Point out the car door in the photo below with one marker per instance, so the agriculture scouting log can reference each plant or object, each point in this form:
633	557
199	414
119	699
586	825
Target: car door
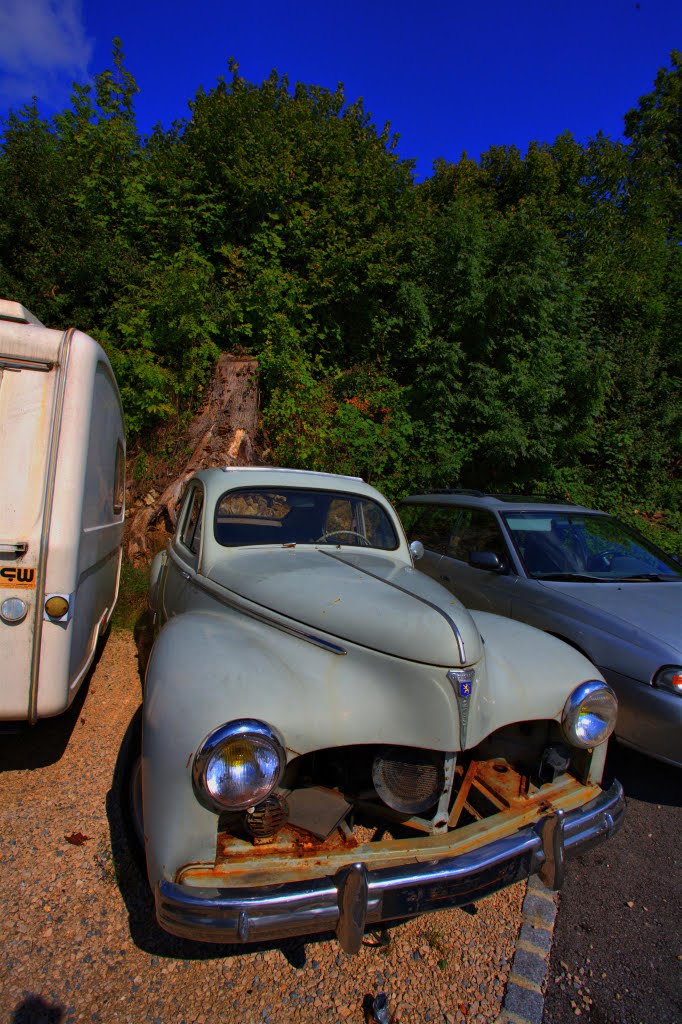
186	545
477	529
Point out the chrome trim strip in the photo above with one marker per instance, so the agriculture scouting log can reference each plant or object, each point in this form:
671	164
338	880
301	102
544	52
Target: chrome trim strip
48	499
302	908
403	590
241	604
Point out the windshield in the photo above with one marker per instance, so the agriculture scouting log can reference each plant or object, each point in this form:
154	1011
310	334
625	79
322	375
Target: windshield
283	515
579	545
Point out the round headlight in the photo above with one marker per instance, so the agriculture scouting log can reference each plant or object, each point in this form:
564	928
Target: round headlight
589	715
13	609
238	765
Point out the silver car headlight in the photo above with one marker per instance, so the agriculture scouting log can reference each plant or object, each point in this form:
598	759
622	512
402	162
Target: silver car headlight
238	765
670	679
589	715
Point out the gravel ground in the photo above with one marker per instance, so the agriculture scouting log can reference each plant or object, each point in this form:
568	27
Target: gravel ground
617	954
80	942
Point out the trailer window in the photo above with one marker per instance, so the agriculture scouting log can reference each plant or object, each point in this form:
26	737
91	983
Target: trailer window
119	480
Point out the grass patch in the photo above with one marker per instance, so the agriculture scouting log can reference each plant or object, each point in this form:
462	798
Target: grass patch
132	596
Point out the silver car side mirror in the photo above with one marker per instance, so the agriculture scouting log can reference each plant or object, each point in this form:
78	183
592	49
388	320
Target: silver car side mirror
416	550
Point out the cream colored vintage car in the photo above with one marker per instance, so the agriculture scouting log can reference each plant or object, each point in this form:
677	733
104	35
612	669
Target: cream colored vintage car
330	739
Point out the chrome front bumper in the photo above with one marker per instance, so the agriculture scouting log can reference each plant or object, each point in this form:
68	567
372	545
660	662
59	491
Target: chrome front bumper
355	898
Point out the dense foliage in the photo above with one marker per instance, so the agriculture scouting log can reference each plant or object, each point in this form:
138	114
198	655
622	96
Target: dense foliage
512	323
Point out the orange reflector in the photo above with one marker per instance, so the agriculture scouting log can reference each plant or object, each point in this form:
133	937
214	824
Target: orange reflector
56	607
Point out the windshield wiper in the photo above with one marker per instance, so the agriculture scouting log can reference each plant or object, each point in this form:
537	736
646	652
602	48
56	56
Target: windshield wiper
571	577
643	577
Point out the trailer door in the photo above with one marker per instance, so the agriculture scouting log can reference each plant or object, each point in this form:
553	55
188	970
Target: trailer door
28	404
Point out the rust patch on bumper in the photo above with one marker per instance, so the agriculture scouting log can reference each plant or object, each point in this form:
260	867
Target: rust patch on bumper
290	842
296	855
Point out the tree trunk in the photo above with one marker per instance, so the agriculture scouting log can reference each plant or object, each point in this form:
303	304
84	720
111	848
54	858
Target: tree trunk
221	434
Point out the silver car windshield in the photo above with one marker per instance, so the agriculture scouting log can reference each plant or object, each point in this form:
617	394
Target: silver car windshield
285	515
557	545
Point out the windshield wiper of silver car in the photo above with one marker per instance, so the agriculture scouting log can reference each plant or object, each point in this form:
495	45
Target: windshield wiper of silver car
644	577
571	577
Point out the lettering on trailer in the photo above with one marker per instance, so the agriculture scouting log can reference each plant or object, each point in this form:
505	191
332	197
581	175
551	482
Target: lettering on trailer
17	576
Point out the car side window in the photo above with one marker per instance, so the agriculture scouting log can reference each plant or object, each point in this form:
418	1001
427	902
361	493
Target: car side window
191	530
476	530
431	524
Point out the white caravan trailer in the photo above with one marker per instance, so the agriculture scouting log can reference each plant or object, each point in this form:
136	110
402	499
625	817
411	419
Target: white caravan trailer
62	468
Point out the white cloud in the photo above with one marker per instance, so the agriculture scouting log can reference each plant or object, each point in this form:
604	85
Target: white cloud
43	48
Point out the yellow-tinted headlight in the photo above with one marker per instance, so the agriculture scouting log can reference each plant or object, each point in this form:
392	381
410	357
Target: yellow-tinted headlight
238	765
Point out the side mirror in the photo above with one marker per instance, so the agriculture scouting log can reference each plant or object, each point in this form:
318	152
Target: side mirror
416	550
488	561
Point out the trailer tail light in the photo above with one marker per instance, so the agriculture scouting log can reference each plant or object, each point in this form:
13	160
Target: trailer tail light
56	607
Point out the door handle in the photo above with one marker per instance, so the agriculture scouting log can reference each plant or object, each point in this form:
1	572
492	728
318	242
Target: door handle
185	575
19	547
444	577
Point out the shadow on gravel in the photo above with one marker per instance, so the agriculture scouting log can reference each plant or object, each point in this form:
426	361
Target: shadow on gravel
132	882
642	777
34	1010
25	747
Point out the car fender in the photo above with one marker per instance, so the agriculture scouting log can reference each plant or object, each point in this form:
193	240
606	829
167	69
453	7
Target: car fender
529	675
606	641
211	667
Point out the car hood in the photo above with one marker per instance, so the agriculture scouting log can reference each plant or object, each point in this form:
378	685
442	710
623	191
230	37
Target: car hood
372	600
637	609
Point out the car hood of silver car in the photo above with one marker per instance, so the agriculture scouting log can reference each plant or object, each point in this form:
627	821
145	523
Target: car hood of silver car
650	609
372	600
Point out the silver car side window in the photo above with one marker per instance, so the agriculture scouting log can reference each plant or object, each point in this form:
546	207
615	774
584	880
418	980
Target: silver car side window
476	530
431	524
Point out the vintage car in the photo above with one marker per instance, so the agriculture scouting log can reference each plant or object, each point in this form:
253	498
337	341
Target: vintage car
579	574
330	740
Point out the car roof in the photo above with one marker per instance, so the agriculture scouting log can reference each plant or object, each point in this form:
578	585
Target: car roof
461	497
217	481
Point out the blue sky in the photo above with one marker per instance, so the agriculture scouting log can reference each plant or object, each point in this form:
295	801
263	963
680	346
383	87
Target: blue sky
449	76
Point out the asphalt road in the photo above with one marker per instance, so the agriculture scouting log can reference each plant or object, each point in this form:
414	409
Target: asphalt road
617	954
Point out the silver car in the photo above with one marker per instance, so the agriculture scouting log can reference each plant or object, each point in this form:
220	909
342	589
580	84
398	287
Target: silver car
578	574
330	739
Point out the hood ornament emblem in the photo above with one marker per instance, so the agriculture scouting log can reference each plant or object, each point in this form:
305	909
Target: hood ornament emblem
463	683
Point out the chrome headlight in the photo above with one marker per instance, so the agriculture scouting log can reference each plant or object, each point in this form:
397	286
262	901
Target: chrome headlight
589	715
238	765
669	678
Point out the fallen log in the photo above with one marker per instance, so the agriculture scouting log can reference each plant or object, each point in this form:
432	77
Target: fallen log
221	434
